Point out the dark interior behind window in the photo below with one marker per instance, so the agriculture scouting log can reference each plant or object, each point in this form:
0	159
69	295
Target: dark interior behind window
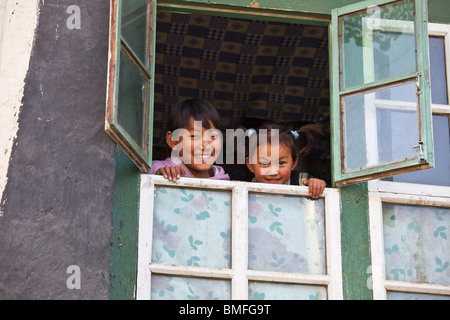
251	70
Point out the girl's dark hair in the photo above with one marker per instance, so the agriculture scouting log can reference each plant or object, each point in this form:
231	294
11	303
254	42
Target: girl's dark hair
300	142
199	109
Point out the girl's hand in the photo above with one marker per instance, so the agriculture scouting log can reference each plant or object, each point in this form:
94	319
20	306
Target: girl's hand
315	186
171	173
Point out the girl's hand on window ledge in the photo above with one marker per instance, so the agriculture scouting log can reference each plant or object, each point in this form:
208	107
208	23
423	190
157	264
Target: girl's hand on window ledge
315	186
171	173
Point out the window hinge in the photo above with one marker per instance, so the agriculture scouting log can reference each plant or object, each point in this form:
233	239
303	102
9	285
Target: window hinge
419	148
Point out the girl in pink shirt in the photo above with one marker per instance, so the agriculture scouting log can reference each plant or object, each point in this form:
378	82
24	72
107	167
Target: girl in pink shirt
196	141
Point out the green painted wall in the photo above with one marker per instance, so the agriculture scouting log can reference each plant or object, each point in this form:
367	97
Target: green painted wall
123	251
438	9
355	241
288	5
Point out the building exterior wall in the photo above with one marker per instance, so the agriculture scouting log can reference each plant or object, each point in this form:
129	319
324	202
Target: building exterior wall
69	197
57	199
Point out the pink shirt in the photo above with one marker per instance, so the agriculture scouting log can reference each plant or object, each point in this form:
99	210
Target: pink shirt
219	173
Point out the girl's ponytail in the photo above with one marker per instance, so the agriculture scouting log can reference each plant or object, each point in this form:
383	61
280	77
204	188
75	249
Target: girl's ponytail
307	137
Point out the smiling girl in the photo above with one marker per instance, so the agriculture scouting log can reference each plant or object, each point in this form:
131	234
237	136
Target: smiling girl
196	142
273	156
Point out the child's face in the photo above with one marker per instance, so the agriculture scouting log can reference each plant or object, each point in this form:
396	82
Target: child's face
198	148
270	172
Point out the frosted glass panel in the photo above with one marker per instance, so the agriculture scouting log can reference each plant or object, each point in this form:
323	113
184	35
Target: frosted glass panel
286	234
416	243
192	227
414	296
184	288
278	291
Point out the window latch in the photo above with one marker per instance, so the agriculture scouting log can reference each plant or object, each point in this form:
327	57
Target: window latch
419	148
418	90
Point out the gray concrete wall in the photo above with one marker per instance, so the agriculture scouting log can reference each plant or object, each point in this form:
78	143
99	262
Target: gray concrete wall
57	202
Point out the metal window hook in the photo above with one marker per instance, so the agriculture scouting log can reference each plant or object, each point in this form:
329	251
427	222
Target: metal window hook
418	89
419	148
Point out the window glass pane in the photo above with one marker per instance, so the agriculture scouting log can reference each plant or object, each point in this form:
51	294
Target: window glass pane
414	296
416	242
440	175
286	234
377	44
133	107
380	126
192	227
184	288
438	74
134	27
278	291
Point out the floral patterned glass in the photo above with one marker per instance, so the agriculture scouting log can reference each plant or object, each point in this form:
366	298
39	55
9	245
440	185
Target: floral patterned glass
278	291
416	243
414	296
192	227
184	288
286	233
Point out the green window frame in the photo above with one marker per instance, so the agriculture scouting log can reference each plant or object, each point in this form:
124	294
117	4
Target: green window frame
126	62
342	175
129	117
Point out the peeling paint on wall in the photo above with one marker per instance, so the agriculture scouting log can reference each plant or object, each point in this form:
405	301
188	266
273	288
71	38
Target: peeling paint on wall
18	20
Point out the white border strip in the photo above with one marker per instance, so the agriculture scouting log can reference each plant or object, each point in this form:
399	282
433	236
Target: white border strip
333	244
145	236
239	243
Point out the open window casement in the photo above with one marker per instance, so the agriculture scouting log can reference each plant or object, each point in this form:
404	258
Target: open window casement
130	86
380	90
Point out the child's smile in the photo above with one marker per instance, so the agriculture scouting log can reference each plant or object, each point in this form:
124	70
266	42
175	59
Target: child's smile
199	148
268	170
203	156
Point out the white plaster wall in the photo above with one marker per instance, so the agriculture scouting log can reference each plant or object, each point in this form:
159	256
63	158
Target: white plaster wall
18	20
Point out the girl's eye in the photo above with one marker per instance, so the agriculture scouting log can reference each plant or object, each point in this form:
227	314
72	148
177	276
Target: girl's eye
282	163
195	136
264	163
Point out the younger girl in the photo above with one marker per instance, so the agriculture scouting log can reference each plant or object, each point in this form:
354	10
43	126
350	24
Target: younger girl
276	163
196	141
